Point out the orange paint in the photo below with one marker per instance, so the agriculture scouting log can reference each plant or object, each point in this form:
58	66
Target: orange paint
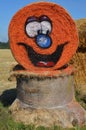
63	33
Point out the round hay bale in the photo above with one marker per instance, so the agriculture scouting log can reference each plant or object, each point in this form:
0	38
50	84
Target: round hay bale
81	26
43	37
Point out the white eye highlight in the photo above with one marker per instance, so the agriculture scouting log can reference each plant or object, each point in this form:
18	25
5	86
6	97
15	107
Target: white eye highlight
46	27
32	28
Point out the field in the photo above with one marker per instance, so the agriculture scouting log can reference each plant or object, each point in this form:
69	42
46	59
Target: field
8	93
6	61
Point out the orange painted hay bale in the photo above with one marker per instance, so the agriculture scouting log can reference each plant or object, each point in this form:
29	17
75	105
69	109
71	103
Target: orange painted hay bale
61	36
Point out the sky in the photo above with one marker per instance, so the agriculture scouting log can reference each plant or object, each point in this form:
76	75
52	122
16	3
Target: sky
76	8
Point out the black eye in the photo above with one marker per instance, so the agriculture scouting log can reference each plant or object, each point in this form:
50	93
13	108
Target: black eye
46	27
35	26
39	31
45	24
32	26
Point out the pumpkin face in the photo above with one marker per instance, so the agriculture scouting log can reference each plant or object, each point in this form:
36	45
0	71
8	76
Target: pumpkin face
43	36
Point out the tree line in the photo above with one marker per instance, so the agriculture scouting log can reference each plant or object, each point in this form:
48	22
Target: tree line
4	45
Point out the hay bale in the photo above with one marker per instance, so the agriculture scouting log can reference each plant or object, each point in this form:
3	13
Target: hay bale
47	102
79	61
81	26
62	36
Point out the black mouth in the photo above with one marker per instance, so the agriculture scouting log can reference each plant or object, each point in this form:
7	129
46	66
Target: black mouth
40	60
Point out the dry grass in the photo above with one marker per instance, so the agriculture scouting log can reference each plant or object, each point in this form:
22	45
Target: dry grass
6	61
79	61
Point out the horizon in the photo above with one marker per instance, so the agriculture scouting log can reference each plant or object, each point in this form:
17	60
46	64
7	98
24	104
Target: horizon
76	9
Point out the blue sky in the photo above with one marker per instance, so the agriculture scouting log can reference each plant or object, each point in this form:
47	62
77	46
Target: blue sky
76	8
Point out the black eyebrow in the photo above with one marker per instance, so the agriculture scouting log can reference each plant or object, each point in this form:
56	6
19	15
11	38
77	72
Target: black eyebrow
31	19
44	18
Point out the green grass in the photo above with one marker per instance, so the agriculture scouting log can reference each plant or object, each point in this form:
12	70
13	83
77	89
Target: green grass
7	123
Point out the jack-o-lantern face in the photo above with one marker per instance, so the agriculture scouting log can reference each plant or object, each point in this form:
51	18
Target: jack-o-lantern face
43	36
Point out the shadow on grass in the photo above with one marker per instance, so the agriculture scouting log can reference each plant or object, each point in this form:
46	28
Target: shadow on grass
8	96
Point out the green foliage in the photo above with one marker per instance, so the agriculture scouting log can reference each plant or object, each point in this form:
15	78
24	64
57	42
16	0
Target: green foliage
7	123
4	45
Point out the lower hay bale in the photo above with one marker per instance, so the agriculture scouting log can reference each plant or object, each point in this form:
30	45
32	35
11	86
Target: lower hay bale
40	117
47	102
